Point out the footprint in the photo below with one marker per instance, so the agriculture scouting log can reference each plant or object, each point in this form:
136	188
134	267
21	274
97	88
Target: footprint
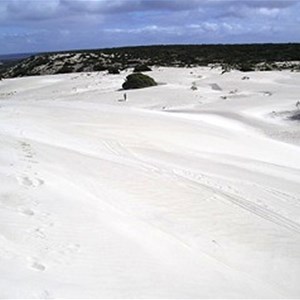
70	249
31	161
38	266
37	182
25	145
31	182
73	248
39	233
40	181
44	295
27	212
26	181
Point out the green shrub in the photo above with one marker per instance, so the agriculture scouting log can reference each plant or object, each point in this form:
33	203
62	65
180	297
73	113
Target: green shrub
267	67
138	81
142	68
113	70
98	68
66	68
246	67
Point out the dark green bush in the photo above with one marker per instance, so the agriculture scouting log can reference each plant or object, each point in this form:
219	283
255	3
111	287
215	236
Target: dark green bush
99	68
296	68
267	67
66	68
138	81
113	70
246	67
142	68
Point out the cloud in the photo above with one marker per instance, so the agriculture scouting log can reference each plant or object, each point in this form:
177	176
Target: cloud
121	6
102	7
131	6
268	3
61	24
32	10
249	9
269	11
51	9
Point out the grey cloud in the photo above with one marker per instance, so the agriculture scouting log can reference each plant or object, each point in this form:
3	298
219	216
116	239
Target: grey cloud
268	3
31	9
103	23
212	8
247	8
41	10
175	5
121	6
103	6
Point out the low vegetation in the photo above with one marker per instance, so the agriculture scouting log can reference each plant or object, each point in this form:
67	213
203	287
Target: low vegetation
113	70
295	117
142	68
245	58
138	81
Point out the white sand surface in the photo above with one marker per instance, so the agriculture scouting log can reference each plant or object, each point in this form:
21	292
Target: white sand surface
175	193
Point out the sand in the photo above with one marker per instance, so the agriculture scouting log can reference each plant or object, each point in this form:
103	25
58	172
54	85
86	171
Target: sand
175	193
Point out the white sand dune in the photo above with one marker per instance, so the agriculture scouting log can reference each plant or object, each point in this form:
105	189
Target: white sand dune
176	193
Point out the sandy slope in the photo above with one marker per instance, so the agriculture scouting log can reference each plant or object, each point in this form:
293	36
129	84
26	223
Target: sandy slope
175	193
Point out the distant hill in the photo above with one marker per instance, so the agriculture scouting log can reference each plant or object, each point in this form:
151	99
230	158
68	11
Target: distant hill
9	60
242	57
15	56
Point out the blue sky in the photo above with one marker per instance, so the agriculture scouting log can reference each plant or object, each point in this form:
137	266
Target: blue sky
49	25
